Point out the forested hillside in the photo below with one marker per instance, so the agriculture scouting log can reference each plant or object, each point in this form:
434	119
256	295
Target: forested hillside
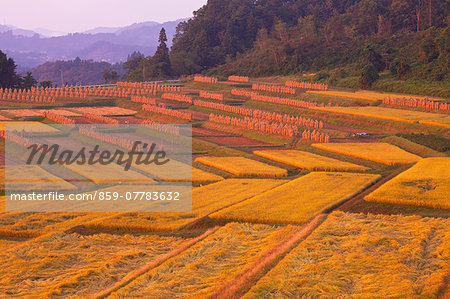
76	72
400	39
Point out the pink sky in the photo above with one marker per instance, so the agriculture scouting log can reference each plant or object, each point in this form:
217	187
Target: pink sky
81	15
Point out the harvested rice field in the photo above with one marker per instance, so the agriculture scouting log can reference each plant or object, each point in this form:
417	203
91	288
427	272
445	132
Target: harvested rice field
354	255
205	200
383	153
425	184
243	167
110	174
368	95
425	118
299	200
79	265
293	196
105	111
202	269
309	161
28	127
32	178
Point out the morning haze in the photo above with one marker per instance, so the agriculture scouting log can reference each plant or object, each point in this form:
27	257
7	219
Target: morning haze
81	15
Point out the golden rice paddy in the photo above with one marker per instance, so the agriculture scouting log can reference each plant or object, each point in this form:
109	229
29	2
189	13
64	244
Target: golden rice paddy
425	184
109	174
205	200
32	178
299	200
367	95
364	256
175	171
309	161
383	153
241	166
106	111
202	269
409	116
62	265
28	127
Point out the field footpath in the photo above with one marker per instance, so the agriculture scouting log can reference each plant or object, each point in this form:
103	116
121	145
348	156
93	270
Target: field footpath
244	281
375	186
240	285
138	272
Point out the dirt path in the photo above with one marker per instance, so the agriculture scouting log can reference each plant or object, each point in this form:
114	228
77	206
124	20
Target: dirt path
205	132
352	130
133	120
247	278
243	282
138	272
355	140
235	141
238	286
197	115
372	188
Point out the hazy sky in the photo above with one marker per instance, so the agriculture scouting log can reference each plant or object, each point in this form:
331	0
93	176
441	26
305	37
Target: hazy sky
81	15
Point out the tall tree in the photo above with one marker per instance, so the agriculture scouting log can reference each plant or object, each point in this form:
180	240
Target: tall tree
106	75
368	76
8	76
114	76
29	81
374	58
160	62
418	10
46	84
133	61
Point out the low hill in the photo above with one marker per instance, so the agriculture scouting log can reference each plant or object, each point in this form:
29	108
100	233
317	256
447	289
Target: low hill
74	72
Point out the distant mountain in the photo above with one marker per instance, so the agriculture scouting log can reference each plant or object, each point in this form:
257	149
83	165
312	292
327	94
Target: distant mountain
48	33
140	25
17	31
118	30
29	48
102	30
4	28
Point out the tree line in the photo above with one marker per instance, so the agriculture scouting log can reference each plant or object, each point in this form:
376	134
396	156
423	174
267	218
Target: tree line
8	76
332	39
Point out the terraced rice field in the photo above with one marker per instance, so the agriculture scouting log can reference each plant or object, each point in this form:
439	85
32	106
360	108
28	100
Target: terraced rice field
61	112
408	116
383	153
276	231
38	112
299	200
367	95
29	127
23	112
354	255
244	167
205	200
309	161
6	243
175	171
109	174
200	176
105	111
425	184
202	269
32	178
28	225
62	265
